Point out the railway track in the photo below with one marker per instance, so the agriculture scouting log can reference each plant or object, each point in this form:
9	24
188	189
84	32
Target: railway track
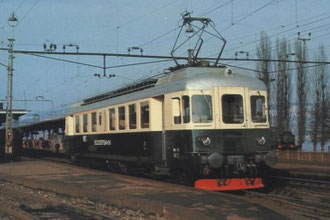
310	183
307	197
26	204
304	207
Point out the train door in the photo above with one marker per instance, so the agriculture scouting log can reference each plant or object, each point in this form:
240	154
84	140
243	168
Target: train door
232	109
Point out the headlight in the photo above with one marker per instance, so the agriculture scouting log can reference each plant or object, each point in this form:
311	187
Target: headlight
205	141
261	140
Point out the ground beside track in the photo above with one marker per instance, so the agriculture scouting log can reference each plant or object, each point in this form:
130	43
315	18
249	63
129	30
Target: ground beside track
301	170
152	198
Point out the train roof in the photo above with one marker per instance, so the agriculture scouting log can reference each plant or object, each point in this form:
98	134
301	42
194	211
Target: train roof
189	78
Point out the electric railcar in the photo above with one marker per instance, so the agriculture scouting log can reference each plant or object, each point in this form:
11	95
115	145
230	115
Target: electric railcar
208	124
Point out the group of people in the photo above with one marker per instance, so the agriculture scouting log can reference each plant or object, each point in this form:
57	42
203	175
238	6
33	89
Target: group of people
41	143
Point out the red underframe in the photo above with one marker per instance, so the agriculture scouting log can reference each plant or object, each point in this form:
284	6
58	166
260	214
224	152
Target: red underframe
228	184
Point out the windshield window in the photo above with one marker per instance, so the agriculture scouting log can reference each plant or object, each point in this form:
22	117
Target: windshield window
232	109
202	108
258	112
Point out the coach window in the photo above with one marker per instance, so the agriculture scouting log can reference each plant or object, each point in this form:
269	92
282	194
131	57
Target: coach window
85	123
176	110
232	109
258	111
77	124
132	116
186	109
121	111
112	119
202	108
100	118
144	110
94	122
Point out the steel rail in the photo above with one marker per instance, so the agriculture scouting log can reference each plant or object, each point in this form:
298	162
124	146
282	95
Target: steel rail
305	208
302	180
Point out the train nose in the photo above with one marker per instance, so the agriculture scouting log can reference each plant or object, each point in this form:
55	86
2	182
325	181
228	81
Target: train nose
215	160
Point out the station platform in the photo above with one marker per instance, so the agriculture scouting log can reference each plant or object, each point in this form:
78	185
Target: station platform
168	200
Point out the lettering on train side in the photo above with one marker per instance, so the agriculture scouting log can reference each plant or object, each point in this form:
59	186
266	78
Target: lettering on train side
102	142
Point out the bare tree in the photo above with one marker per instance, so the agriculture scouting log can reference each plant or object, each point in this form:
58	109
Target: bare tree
282	86
320	112
324	97
315	111
264	50
301	51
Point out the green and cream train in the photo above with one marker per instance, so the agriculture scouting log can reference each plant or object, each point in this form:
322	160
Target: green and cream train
206	124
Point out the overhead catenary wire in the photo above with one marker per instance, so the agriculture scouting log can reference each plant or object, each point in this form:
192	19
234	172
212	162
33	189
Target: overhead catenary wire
233	48
37	54
65	60
272	35
274	71
292	39
35	3
119	26
19	6
252	13
171	31
135	64
214	9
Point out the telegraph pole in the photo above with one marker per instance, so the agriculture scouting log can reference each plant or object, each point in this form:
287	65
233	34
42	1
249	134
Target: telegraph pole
304	44
12	21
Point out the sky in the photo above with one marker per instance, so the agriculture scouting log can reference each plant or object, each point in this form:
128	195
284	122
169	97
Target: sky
113	26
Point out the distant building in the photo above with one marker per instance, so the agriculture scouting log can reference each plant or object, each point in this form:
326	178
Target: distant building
16	114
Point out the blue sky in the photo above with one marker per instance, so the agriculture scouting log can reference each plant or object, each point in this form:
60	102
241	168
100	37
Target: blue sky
113	26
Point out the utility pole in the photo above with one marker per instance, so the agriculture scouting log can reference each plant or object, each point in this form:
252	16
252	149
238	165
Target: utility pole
12	21
304	42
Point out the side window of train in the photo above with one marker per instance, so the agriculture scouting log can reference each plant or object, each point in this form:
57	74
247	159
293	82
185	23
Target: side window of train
85	123
186	109
94	122
258	110
100	118
176	110
121	112
132	116
202	108
112	119
144	111
232	109
77	124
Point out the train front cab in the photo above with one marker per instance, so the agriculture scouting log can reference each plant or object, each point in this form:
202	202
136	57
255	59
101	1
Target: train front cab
223	134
